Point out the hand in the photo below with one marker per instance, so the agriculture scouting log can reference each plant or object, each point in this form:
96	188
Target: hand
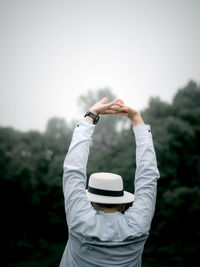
101	107
121	109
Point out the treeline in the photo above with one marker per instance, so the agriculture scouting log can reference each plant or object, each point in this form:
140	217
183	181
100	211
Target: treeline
33	219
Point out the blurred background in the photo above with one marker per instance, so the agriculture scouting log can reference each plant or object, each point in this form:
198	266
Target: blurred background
57	58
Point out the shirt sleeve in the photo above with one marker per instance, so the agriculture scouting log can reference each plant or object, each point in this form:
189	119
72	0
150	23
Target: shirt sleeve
140	215
74	176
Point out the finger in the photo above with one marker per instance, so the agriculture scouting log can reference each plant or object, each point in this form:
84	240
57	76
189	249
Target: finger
118	104
119	108
121	101
103	100
114	102
110	111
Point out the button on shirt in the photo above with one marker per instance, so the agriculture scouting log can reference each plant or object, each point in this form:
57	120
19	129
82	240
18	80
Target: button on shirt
96	238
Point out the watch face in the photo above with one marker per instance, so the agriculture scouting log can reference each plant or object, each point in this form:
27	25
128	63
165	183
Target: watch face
96	119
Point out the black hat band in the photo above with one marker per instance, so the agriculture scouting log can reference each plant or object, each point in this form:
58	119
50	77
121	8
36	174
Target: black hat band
108	193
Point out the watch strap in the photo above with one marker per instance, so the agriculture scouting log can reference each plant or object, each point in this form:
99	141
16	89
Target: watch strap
93	116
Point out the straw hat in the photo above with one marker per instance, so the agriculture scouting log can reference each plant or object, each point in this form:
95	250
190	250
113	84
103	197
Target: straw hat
107	188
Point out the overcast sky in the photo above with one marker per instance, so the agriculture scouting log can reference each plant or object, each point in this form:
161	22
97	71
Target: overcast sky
51	52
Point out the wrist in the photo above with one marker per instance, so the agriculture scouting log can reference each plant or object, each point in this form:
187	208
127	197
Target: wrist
94	111
89	119
137	120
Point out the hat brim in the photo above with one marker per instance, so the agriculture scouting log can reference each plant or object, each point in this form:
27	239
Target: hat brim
126	198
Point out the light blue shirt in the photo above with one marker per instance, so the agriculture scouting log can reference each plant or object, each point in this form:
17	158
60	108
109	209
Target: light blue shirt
107	239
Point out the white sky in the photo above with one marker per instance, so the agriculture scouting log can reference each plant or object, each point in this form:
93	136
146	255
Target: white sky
51	52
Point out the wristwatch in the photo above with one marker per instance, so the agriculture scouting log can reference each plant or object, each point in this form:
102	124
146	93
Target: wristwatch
93	116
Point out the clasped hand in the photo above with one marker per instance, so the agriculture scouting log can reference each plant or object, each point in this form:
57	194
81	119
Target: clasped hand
116	107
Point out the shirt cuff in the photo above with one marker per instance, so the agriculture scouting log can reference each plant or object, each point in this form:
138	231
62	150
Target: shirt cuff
85	127
142	130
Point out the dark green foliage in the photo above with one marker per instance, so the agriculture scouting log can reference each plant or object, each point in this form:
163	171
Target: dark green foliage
31	195
175	235
33	218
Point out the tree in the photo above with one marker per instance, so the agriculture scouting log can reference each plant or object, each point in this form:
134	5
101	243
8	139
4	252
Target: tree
176	134
58	135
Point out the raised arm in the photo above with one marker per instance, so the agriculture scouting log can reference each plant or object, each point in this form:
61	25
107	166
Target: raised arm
74	177
140	214
146	176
